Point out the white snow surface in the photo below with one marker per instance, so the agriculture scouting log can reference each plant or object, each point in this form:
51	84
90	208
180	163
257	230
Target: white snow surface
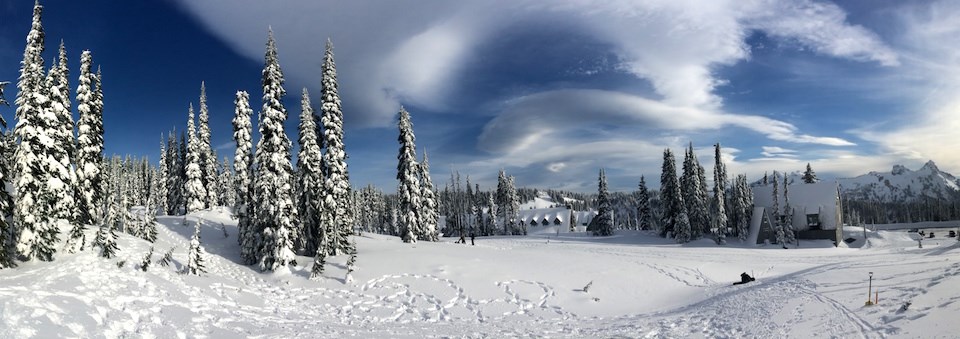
503	287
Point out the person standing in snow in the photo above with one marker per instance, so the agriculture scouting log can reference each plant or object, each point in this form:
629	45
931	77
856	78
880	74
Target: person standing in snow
472	236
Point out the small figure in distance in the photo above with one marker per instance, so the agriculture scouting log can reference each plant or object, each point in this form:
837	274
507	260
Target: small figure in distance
744	278
472	236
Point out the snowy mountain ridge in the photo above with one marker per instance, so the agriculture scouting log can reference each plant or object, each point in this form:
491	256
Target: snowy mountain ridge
902	184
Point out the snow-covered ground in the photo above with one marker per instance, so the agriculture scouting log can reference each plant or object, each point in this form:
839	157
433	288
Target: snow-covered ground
642	286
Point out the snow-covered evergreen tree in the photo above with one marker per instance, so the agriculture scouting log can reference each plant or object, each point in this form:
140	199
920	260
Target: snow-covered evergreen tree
272	183
604	219
242	165
429	212
644	214
336	186
408	190
675	219
228	196
719	205
669	192
193	188
809	176
351	264
775	212
195	255
61	188
208	159
174	169
509	205
743	207
160	196
148	227
690	187
106	238
788	229
310	188
479	200
36	226
513	218
491	217
6	200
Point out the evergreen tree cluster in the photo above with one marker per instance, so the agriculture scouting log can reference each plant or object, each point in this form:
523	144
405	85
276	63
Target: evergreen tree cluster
55	165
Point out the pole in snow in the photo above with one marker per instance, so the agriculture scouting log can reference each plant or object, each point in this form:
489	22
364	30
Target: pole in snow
869	291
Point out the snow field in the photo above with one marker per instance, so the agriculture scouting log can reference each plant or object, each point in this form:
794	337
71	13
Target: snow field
642	286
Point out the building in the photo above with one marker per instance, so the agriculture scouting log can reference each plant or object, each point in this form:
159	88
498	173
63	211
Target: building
817	212
555	220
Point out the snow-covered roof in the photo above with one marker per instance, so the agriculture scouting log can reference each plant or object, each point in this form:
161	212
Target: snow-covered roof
801	195
549	214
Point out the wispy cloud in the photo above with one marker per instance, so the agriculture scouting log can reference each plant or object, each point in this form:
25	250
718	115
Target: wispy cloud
416	52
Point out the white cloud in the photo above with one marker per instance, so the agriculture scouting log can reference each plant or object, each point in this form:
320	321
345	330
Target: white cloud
773	151
928	34
527	120
415	52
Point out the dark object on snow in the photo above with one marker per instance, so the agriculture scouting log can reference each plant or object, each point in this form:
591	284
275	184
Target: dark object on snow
586	289
952	234
849	240
905	306
931	235
472	236
744	278
461	240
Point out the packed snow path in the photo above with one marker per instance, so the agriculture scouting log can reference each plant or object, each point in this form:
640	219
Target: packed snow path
643	286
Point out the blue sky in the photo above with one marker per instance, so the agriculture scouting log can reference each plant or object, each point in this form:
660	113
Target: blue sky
548	90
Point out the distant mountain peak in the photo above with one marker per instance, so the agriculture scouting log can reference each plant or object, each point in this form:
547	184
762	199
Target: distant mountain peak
903	184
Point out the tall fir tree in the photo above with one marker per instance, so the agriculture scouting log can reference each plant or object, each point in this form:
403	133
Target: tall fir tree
272	183
604	218
719	203
429	209
674	220
408	189
208	159
336	186
193	188
162	192
809	176
310	188
743	207
36	227
644	214
174	185
242	166
6	200
228	197
182	153
690	187
513	218
775	212
669	192
491	216
788	230
60	157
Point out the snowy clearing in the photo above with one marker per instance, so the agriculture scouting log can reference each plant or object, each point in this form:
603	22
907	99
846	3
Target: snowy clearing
642	286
